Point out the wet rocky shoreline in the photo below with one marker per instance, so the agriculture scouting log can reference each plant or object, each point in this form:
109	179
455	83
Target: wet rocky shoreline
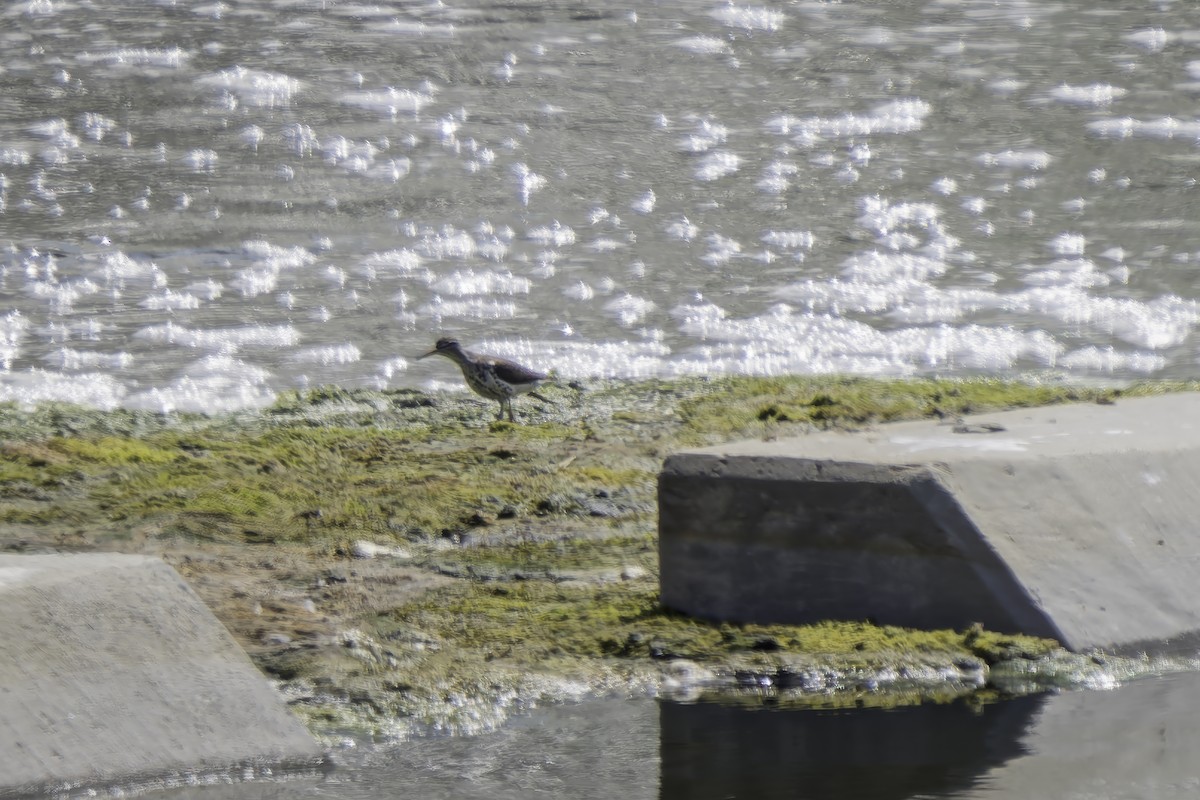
400	564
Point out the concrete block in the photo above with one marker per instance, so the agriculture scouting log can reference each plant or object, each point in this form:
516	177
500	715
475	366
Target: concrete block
1077	522
113	672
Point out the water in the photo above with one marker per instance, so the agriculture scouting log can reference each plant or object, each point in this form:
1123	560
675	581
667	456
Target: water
1136	741
205	203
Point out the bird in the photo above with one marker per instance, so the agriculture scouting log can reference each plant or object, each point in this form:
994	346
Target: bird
491	376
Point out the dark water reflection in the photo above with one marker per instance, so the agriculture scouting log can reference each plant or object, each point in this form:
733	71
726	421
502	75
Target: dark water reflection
716	751
1137	741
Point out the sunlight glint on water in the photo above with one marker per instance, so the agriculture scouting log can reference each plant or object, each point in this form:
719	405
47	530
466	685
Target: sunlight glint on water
204	204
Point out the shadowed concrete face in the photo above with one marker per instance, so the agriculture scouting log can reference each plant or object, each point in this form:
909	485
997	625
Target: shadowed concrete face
1076	522
113	671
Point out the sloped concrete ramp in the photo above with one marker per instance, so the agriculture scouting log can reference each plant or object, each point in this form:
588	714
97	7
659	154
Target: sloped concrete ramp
112	672
1080	522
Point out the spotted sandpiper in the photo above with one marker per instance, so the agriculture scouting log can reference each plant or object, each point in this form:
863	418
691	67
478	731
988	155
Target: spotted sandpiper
490	376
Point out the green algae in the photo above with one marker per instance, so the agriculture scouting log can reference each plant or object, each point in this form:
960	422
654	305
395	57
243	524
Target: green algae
546	532
740	405
331	465
533	620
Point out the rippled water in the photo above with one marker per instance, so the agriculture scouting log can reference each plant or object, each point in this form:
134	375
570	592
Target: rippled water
204	203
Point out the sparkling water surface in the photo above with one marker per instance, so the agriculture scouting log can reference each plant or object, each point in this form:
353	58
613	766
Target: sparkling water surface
205	203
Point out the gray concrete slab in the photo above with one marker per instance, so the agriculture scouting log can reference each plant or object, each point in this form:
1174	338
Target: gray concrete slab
113	672
1078	522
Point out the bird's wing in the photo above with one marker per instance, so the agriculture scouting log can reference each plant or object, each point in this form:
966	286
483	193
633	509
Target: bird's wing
511	372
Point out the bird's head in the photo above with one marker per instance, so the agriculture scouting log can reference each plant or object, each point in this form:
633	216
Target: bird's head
445	346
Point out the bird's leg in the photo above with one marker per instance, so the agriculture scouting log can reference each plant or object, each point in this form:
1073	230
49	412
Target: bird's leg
508	402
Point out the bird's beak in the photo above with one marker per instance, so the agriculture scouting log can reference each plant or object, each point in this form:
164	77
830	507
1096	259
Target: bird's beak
427	355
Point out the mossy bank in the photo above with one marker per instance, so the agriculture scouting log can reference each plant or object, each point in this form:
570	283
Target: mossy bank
399	561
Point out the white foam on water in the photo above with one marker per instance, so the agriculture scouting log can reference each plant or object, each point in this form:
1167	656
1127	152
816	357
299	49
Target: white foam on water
96	126
751	18
974	205
1165	321
924	304
201	159
170	301
746	360
253	282
605	244
1109	360
554	235
361	11
361	157
705	45
878	266
717	164
600	359
28	388
1068	244
897	116
777	177
301	139
483	282
208	289
480	308
579	291
389	368
1098	94
215	10
67	358
221	340
706	135
61	296
848	297
202	394
57	131
528	182
978	347
40	8
401	261
645	203
721	249
1161	128
277	258
883	216
14	157
164	57
683	230
13	328
1151	39
1078	272
944	186
328	355
806	343
789	240
254	87
630	310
